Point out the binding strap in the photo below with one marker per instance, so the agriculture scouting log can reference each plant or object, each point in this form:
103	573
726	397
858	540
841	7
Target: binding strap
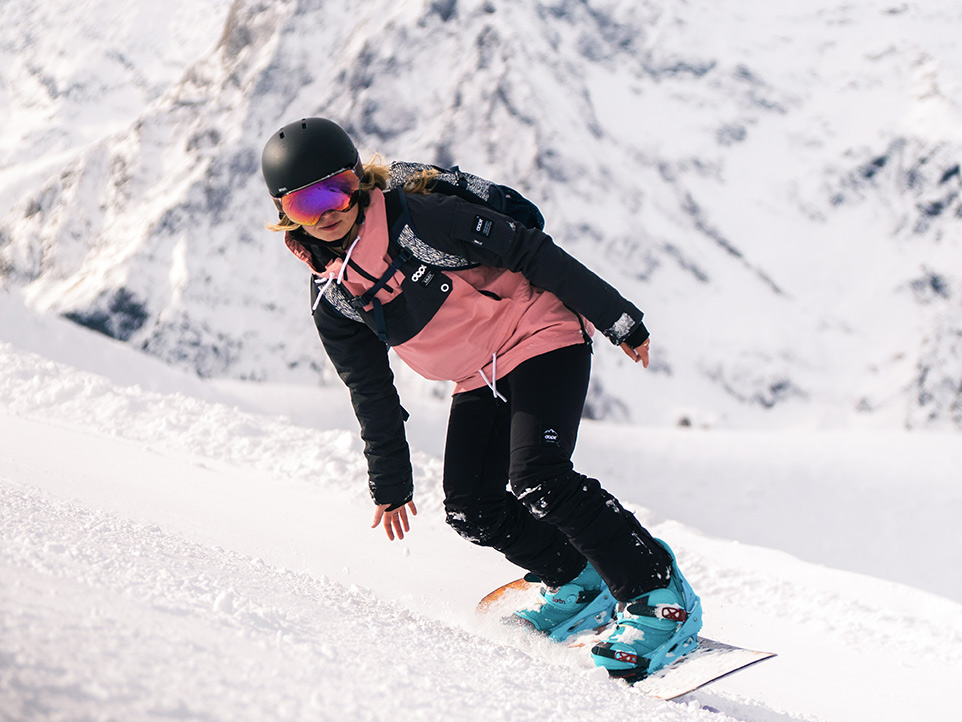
670	612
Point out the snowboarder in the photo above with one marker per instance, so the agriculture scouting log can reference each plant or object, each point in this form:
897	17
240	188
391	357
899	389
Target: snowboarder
465	294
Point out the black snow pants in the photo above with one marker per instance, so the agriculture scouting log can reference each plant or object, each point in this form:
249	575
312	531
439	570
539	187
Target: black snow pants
509	482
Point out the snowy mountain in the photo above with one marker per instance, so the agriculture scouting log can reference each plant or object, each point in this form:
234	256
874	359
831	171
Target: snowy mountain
776	185
175	548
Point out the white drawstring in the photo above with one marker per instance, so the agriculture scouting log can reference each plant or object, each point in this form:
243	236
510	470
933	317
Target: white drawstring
347	257
322	289
331	278
493	383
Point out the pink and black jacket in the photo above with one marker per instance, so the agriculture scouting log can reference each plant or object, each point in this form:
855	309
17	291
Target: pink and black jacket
461	293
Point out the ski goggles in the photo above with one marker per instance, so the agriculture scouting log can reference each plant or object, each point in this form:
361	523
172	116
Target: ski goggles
338	192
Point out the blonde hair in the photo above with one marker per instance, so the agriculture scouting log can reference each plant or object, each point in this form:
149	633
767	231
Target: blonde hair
376	175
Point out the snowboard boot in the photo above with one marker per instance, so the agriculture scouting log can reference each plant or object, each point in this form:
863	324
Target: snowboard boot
652	630
583	603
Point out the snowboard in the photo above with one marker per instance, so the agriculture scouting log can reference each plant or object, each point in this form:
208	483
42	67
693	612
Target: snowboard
711	661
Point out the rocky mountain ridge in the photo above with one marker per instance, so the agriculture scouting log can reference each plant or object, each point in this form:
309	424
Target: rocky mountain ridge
777	187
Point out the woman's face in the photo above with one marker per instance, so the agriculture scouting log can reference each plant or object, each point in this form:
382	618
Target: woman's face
333	225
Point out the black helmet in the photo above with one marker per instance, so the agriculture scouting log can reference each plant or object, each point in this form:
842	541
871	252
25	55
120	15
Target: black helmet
306	151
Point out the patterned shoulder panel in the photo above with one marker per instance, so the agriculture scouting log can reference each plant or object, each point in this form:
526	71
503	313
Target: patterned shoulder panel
427	253
403	171
481	187
337	297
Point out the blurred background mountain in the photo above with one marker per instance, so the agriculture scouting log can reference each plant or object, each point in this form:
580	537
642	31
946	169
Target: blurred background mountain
776	185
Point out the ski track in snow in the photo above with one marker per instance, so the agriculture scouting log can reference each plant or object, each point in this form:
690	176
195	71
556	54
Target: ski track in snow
176	630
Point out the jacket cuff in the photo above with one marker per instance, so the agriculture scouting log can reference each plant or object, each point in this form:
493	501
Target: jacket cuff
639	334
397	495
627	330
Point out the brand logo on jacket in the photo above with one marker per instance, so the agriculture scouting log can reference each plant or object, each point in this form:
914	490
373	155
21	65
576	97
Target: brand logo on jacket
423	275
482	226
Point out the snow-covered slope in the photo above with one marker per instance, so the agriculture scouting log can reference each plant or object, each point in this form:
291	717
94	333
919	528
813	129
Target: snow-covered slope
168	551
777	185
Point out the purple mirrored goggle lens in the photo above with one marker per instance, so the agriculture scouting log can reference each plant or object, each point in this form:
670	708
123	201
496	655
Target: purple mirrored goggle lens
337	193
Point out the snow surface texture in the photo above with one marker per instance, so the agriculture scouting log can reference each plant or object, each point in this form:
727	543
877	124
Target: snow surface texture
168	549
775	184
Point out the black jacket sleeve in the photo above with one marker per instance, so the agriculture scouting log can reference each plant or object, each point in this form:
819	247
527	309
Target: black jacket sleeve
361	361
457	226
